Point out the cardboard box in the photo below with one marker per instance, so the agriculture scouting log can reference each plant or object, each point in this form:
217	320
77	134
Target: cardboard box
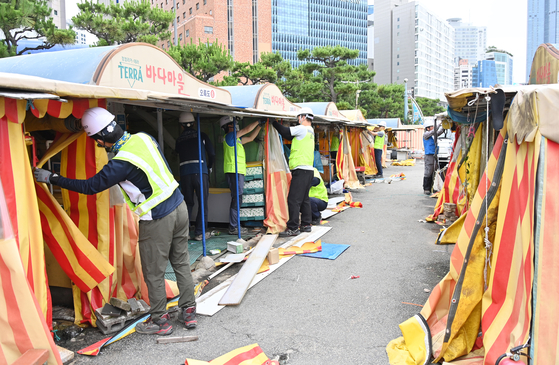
235	247
273	256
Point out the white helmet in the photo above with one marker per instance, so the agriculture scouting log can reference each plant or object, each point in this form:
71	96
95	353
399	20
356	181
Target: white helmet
382	123
186	117
95	119
428	123
307	112
225	120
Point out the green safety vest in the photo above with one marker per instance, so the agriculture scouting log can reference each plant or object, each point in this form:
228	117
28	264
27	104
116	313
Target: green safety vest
335	143
302	151
229	158
142	152
379	142
319	191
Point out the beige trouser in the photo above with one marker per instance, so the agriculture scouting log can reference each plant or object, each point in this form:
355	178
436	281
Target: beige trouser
162	240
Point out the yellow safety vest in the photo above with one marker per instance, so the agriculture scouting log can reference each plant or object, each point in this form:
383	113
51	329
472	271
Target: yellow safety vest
229	158
302	150
319	191
142	152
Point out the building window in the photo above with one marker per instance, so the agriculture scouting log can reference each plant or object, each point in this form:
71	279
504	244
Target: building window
178	5
209	30
205	2
56	12
254	31
187	33
168	43
180	37
190	11
197	6
184	14
178	19
161	5
210	12
230	27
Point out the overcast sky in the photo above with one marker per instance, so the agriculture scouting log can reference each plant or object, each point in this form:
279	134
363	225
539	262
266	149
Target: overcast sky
505	21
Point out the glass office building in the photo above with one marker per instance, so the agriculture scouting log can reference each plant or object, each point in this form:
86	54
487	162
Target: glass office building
543	20
485	74
306	24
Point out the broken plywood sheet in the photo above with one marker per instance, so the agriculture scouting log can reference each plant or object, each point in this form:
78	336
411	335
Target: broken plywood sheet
240	285
305	237
208	303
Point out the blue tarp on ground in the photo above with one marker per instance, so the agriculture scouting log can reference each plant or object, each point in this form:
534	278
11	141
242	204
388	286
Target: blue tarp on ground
329	251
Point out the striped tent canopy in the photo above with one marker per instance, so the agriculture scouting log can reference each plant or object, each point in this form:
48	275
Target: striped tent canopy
501	290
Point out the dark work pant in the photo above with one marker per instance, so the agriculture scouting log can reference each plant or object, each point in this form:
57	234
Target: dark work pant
317	206
428	172
162	240
378	161
298	198
190	184
233	207
333	155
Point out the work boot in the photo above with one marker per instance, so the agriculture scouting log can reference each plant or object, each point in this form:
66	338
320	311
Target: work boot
161	327
189	317
199	236
306	228
235	232
288	233
316	222
427	184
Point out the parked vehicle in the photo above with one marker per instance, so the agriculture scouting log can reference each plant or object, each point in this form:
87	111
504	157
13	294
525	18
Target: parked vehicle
445	151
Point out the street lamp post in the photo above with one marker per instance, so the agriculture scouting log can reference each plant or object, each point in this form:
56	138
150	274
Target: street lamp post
357	98
406	101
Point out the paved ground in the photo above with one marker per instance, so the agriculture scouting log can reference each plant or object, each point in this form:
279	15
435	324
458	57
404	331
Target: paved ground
308	312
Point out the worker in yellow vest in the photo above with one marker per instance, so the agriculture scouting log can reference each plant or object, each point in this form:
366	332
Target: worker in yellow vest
379	146
301	165
318	196
243	137
151	192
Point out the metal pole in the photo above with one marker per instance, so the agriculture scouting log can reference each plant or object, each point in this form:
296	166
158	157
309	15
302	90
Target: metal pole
175	23
237	179
202	190
160	128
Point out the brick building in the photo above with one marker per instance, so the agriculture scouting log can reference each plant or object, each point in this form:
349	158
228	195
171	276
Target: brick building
243	26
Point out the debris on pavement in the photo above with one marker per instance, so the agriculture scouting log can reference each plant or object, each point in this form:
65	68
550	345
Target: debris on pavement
162	340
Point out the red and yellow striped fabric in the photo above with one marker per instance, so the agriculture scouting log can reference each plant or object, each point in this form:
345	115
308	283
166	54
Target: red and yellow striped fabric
545	320
367	155
248	355
345	165
278	180
307	247
507	304
17	178
23	324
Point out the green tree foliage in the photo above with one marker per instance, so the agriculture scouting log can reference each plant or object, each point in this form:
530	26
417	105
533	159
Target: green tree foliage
385	101
252	74
328	75
429	107
203	60
495	49
130	21
29	19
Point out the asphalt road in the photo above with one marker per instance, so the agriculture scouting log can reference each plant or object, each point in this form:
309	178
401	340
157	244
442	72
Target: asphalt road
308	312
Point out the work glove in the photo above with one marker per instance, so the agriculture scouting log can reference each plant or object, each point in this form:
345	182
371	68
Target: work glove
42	175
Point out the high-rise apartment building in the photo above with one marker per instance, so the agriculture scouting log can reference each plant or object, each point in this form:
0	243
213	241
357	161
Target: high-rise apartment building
470	41
58	12
463	74
503	66
306	24
543	27
412	43
242	26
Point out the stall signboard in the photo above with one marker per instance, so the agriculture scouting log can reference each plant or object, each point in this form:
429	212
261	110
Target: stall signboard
146	67
545	66
332	110
270	98
354	115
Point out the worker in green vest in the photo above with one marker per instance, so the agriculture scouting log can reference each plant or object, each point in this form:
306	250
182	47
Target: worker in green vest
334	147
318	196
379	146
301	165
152	193
243	137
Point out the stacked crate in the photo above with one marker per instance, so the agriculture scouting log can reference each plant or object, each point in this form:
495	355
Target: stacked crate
253	203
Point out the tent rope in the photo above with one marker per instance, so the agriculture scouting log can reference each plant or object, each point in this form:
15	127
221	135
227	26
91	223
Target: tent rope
488	244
